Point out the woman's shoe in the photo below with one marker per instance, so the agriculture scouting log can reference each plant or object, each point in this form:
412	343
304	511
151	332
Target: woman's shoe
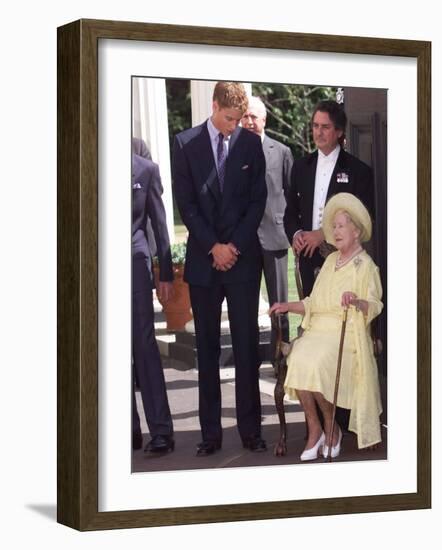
335	450
312	454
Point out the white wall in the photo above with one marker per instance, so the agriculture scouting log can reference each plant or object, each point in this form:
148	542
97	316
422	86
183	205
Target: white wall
28	271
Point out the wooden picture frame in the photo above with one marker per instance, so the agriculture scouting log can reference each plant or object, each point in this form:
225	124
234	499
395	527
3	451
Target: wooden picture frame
77	224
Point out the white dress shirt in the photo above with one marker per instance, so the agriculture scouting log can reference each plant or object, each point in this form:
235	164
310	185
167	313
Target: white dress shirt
324	170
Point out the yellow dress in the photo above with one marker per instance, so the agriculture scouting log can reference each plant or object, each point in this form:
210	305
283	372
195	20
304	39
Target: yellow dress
313	359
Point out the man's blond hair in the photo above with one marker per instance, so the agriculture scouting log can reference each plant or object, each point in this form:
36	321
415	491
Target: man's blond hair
231	95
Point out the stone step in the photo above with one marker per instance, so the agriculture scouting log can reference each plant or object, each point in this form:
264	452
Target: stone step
188	356
188	338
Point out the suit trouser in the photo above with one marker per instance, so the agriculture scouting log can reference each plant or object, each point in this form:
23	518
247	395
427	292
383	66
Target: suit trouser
242	302
307	267
275	275
146	355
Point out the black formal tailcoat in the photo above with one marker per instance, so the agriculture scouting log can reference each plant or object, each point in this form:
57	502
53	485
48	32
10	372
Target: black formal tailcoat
350	175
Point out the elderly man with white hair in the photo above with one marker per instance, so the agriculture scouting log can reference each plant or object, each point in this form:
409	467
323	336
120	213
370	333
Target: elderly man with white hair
272	237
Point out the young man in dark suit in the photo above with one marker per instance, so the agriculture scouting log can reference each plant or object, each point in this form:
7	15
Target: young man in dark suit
272	237
220	190
317	177
148	205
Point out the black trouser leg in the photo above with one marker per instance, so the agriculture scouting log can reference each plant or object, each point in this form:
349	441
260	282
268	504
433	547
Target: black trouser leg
206	308
243	303
146	355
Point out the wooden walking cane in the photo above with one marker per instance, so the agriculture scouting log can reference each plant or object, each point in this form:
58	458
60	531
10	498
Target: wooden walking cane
298	279
281	351
338	375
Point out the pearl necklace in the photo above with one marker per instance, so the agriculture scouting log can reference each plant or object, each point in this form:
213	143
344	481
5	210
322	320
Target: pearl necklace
340	262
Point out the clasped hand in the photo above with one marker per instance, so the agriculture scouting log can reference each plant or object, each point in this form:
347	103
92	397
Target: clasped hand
224	256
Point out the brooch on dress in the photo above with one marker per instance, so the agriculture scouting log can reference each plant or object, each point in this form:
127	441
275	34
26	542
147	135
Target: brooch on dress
357	261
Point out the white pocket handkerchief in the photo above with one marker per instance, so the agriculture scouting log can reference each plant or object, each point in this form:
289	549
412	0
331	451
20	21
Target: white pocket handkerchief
244	167
136	186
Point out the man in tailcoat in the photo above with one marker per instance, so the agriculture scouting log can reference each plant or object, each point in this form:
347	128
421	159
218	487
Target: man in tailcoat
148	205
317	177
220	190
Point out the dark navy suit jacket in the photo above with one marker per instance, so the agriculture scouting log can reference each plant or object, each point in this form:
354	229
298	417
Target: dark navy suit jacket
214	217
147	204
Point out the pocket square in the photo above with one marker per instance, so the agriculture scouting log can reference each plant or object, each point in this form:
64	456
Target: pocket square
136	186
244	167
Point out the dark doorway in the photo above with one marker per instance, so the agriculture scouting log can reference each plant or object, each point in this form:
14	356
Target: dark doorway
367	139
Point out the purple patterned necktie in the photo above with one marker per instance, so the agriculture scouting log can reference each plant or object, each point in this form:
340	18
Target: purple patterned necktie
221	157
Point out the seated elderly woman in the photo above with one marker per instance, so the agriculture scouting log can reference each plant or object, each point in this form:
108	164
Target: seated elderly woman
349	279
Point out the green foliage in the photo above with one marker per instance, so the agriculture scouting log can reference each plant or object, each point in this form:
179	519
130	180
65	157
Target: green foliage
178	251
294	319
179	117
178	106
289	110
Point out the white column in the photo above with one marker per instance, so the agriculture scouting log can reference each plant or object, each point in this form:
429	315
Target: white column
150	123
201	93
248	88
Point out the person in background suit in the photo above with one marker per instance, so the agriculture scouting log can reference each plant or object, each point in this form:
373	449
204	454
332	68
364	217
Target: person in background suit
147	204
317	177
220	190
140	148
272	237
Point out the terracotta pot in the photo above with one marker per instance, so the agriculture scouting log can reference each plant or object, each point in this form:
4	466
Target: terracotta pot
177	310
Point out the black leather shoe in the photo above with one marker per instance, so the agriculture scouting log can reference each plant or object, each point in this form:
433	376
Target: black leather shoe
206	448
255	444
137	440
160	444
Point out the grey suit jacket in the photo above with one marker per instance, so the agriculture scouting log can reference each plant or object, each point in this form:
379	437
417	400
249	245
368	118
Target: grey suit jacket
139	148
279	162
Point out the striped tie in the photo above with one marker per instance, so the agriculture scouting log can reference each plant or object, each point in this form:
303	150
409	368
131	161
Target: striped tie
221	157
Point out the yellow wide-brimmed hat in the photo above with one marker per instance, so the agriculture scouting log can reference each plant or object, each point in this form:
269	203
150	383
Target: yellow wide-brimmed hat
355	209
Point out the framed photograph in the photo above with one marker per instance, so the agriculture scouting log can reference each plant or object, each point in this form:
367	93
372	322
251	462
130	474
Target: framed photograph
97	485
161	108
